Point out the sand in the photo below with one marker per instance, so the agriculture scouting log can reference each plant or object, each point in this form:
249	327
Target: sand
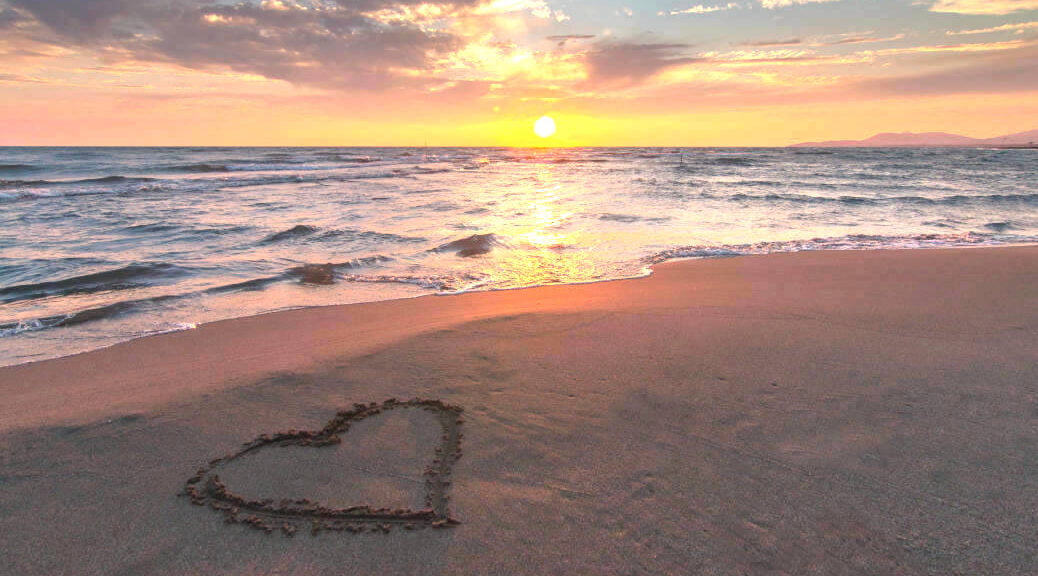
812	413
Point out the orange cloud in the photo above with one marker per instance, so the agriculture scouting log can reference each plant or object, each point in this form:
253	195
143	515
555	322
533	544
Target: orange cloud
974	47
773	4
1018	28
984	6
699	9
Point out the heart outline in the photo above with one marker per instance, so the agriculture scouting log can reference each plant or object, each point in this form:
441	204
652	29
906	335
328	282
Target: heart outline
205	489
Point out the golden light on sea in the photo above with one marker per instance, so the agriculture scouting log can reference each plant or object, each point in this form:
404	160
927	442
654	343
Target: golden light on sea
544	126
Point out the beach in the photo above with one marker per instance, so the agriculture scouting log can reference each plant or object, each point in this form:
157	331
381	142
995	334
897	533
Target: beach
829	412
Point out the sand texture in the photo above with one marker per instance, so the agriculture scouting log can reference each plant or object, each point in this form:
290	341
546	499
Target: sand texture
813	413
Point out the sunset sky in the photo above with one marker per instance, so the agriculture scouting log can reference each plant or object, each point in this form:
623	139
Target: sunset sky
480	72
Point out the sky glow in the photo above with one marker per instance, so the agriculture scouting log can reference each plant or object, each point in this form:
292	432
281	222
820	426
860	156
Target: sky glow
479	72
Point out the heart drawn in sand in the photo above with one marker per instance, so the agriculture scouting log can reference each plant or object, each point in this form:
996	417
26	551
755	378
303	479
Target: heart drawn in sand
206	489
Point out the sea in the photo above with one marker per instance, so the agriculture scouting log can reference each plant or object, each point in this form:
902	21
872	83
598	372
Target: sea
103	245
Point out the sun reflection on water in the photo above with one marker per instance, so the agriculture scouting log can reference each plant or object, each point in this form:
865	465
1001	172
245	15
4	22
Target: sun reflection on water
552	249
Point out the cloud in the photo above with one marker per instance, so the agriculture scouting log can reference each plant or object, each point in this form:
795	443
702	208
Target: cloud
1018	28
863	40
774	4
772	77
766	4
538	8
622	62
983	6
700	9
10	17
342	44
562	39
758	57
494	61
977	47
78	19
329	44
20	79
988	72
771	43
461	49
338	48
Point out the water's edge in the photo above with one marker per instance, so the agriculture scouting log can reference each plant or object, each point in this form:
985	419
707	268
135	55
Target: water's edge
648	272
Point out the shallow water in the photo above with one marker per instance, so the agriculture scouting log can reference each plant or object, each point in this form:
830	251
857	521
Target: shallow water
100	245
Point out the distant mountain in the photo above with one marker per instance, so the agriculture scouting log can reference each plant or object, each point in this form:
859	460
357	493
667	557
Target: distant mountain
1018	139
927	139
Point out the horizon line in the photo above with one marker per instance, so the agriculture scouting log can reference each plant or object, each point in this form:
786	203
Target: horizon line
567	147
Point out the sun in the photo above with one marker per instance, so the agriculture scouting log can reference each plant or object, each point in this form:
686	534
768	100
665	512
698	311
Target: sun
544	126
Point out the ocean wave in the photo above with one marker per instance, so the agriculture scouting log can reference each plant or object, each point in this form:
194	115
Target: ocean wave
801	199
151	228
474	245
553	158
429	170
169	328
358	174
367	235
1000	226
429	282
26	190
327	273
355	159
441	283
735	161
630	218
862	176
756	184
84	316
200	168
813	152
849	242
188	232
952	200
297	231
127	277
961	199
33	325
314	234
48	193
300	273
364	261
16	167
142	275
101	180
245	285
577	161
107	180
286	166
276	158
22	183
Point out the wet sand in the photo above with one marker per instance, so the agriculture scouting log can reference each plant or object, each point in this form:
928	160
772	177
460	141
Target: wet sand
828	413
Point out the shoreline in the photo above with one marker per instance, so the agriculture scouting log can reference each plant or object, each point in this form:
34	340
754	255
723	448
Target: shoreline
25	376
841	413
647	271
